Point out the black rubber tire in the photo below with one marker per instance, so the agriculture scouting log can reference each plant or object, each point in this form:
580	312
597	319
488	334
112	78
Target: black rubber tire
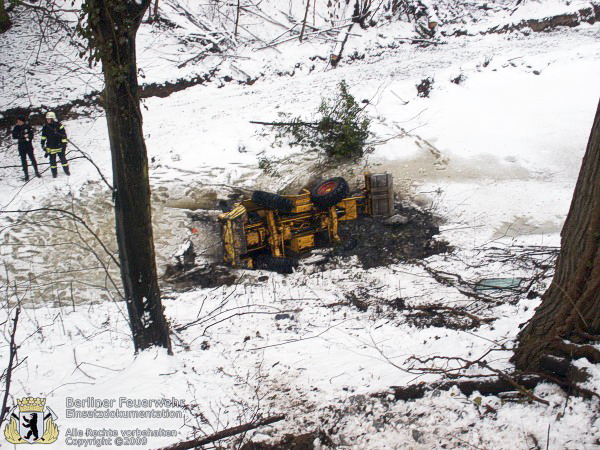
279	265
272	201
339	190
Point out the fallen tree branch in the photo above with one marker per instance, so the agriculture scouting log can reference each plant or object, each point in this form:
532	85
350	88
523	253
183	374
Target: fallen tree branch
335	59
488	386
39	163
420	41
86	156
224	434
502	382
569	386
287	124
9	369
517	385
435	312
292	341
445	279
272	44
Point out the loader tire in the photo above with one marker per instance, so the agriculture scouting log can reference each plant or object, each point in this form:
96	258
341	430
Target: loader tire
330	192
279	265
272	201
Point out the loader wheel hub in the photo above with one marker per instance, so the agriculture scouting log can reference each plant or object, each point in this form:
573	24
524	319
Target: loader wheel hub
326	188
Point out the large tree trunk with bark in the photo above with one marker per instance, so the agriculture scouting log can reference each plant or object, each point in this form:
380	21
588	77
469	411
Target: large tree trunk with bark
568	319
114	29
5	22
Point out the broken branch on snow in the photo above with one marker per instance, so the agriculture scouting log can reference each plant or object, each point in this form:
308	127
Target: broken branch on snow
228	432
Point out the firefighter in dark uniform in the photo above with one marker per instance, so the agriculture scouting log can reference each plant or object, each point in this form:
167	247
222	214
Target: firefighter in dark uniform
23	133
54	143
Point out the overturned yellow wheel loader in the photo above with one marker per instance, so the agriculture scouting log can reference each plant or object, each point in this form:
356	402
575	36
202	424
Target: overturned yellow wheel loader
270	231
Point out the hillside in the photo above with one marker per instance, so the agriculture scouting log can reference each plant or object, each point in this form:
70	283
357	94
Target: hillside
484	169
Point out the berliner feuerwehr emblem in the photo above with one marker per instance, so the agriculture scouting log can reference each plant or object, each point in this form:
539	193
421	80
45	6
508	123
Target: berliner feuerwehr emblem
31	422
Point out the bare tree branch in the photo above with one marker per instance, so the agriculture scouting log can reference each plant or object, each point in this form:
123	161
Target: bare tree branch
10	366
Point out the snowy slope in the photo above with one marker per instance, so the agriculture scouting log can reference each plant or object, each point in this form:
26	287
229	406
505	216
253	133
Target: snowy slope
495	156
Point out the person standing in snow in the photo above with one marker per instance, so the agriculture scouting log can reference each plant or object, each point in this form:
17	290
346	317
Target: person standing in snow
54	143
23	133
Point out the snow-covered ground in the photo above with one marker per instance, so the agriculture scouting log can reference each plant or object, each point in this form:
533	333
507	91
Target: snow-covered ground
495	156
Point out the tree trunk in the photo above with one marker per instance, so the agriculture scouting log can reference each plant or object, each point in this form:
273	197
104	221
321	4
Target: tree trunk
304	21
237	18
156	10
569	315
5	22
114	30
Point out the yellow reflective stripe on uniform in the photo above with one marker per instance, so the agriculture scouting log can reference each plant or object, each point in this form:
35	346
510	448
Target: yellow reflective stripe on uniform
64	140
44	138
61	127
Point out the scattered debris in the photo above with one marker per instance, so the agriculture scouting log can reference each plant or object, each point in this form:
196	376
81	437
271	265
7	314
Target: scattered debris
397	219
498	283
360	304
424	88
185	256
283	316
440	316
458	79
377	244
205	276
490	386
315	259
589	14
306	441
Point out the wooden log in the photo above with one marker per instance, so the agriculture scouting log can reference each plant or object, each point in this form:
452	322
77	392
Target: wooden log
224	434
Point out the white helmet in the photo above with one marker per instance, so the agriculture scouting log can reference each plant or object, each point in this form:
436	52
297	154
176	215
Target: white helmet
50	115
